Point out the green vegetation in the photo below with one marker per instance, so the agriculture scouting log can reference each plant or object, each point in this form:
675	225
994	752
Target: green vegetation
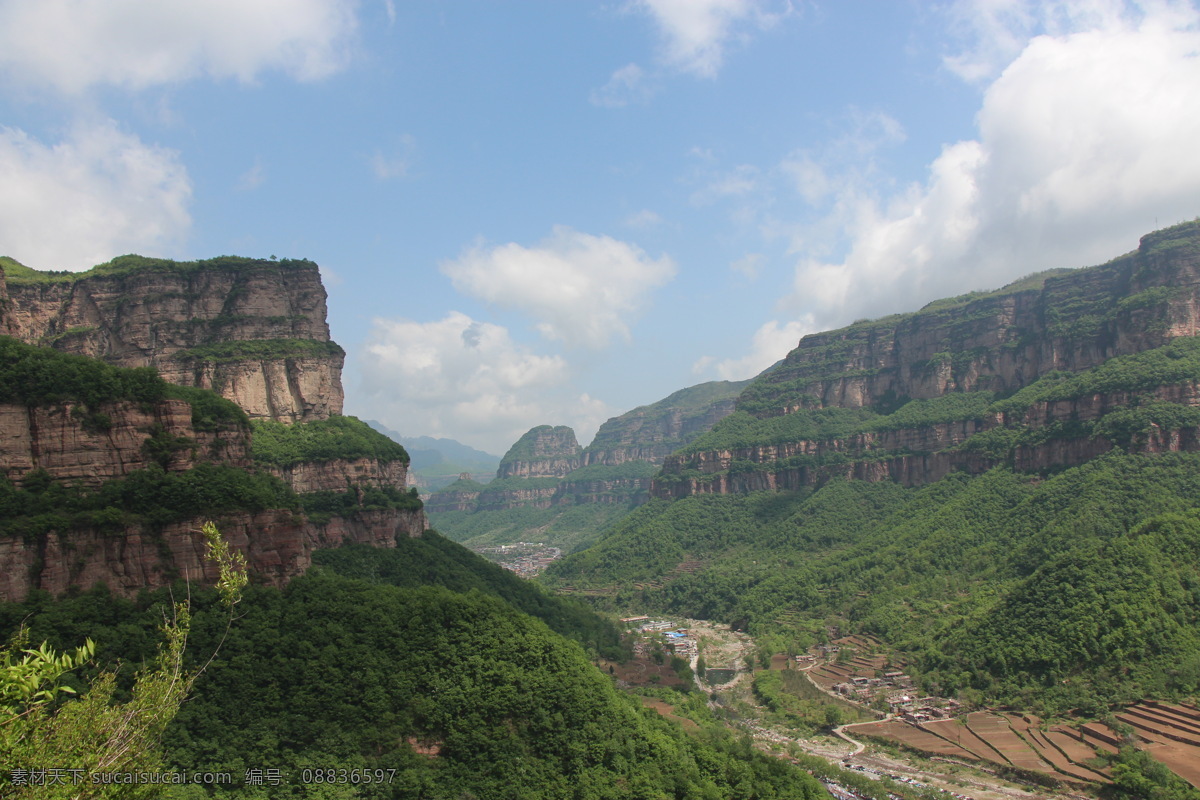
525	448
278	445
789	696
630	470
568	527
321	506
1075	590
39	376
150	496
338	672
16	272
433	560
93	735
265	349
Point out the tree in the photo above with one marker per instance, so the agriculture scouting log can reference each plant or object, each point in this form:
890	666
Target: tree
54	749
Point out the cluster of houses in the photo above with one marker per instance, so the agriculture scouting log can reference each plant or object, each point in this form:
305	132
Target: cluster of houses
654	631
897	690
527	559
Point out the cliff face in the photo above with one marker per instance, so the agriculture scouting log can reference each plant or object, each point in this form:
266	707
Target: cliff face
63	441
278	546
636	439
341	474
543	452
651	433
998	342
254	331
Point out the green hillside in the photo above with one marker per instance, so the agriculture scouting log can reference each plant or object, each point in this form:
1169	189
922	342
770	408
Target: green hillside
1071	590
446	694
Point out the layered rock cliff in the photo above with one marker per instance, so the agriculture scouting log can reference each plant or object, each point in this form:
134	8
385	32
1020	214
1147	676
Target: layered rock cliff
651	433
80	429
1000	341
970	351
278	546
615	469
543	452
65	441
252	330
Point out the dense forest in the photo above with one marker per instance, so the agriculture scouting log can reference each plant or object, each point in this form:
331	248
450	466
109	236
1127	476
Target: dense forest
441	693
1072	590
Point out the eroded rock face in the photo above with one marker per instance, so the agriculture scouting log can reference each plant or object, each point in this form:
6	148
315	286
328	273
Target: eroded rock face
651	434
278	546
341	474
60	440
543	452
186	321
998	342
1003	341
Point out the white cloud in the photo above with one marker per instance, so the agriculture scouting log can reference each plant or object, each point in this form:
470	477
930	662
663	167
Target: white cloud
770	343
71	45
469	380
696	33
994	32
743	180
252	178
748	265
644	219
1085	139
397	161
97	193
581	289
626	86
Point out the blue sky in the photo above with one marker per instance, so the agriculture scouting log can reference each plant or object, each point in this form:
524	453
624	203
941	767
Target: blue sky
551	212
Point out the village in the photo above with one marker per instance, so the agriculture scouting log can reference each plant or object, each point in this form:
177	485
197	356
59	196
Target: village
526	559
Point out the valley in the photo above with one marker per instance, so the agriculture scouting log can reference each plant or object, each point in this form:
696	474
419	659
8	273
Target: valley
952	552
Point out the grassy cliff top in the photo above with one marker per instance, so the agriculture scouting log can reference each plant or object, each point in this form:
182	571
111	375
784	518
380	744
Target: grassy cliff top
525	448
42	376
280	445
16	272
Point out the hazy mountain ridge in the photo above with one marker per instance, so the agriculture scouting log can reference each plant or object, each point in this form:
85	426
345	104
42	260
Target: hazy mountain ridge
546	471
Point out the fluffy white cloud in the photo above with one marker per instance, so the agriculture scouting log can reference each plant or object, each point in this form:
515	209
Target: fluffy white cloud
581	289
1085	140
627	85
74	44
97	193
696	33
770	343
467	379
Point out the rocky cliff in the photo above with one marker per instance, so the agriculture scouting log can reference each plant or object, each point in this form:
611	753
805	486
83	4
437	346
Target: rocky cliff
278	546
651	433
615	469
252	330
971	351
999	341
95	435
543	452
71	447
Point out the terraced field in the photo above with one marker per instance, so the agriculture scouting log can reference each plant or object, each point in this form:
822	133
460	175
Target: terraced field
1169	733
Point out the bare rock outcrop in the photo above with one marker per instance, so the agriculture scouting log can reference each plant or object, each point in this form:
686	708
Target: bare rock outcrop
278	546
1066	320
340	474
252	330
543	452
65	442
